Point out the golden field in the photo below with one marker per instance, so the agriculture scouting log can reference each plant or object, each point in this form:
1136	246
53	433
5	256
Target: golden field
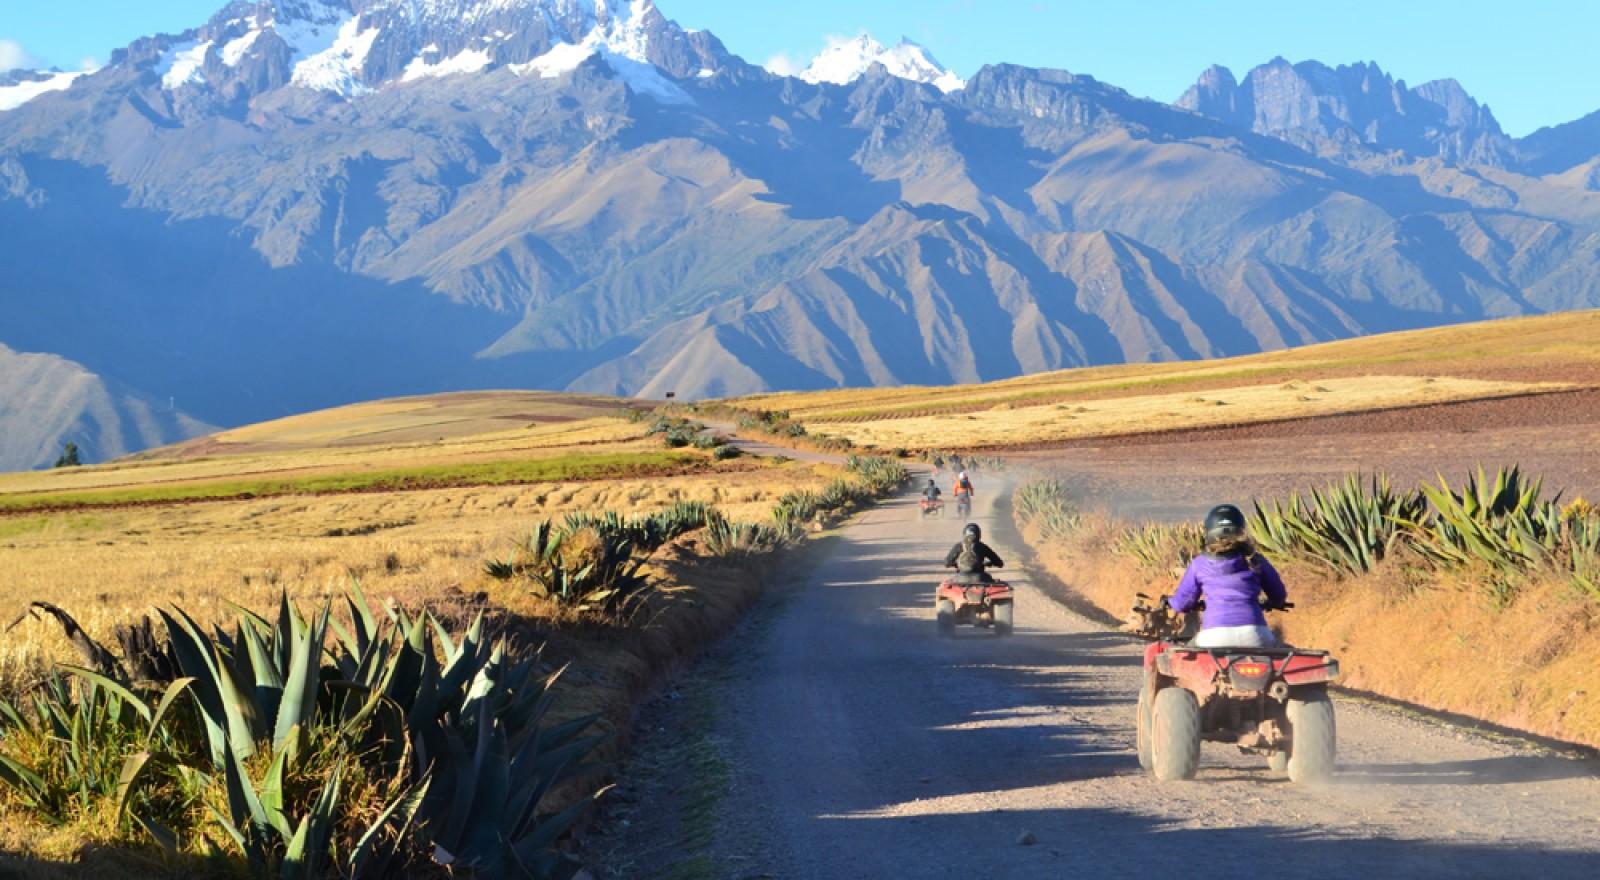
1471	361
1006	425
108	564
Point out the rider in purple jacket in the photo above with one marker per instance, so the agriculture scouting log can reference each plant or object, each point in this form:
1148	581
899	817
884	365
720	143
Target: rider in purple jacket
1231	577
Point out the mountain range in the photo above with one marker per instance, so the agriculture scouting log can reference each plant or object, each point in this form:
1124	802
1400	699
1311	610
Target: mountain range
301	203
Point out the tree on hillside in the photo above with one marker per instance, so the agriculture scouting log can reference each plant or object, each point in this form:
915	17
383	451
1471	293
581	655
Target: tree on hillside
69	456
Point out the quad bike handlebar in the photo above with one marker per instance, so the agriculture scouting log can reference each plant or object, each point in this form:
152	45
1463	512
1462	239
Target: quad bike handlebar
1157	619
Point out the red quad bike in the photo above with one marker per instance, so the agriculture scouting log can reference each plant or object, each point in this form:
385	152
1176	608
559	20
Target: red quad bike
1267	701
932	507
958	602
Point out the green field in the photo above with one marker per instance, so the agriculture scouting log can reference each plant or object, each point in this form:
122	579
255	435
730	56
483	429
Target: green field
600	466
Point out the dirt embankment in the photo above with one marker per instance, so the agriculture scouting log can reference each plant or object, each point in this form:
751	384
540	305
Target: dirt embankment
1430	641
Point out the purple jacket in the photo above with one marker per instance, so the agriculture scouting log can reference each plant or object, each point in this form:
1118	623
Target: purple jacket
1231	587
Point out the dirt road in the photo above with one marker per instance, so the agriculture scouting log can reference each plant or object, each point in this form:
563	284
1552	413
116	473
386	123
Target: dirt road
838	737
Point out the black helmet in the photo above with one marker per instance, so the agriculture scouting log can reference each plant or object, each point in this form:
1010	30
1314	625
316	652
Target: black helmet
972	531
1224	521
932	481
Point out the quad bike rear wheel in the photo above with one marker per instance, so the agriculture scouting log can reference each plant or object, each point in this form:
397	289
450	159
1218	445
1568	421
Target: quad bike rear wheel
1175	743
1314	746
946	618
1142	729
1003	617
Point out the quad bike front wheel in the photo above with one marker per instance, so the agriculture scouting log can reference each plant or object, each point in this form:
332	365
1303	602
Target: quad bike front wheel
1314	743
945	617
1175	739
1003	618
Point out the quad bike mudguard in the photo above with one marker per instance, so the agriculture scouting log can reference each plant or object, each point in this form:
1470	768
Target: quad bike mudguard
963	600
1270	701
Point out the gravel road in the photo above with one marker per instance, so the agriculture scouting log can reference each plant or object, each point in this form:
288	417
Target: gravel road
846	740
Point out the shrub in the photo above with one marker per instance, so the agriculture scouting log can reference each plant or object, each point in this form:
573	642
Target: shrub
1348	527
731	539
1504	522
881	475
1164	549
370	753
1046	503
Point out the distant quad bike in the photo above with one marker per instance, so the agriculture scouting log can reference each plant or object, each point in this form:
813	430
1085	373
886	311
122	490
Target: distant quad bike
932	507
963	602
964	506
1267	701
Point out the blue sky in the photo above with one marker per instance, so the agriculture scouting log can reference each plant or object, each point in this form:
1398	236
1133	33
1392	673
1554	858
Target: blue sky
1533	61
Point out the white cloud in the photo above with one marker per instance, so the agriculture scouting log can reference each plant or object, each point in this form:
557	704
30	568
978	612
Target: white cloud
88	62
784	64
14	56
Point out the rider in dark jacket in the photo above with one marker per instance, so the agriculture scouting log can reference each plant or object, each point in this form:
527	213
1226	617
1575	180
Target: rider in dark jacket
931	493
971	557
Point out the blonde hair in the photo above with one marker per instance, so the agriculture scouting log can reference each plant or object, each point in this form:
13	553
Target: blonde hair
1236	545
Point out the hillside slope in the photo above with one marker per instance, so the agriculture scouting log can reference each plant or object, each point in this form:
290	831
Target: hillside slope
46	402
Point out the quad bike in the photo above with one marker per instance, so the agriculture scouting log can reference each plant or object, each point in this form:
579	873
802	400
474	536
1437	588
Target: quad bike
932	507
964	506
962	600
1267	701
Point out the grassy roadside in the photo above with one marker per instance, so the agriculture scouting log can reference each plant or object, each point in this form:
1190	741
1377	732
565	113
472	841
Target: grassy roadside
1435	640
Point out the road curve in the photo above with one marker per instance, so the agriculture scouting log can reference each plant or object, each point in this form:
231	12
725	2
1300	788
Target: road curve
861	745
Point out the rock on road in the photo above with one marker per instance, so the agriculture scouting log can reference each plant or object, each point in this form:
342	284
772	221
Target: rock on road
862	745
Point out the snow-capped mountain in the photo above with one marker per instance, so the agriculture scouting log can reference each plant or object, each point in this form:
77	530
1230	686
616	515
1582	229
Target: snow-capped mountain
302	203
846	60
353	47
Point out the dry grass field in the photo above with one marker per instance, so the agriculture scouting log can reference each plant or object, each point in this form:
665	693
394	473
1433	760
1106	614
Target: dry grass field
1466	362
1008	425
118	556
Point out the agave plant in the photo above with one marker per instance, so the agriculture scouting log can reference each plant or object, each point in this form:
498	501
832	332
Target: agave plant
71	742
799	506
725	538
1504	522
455	730
1583	550
881	475
1348	527
1161	547
1047	504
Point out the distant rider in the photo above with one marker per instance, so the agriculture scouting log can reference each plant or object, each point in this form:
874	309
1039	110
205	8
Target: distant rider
963	485
1231	577
971	557
931	493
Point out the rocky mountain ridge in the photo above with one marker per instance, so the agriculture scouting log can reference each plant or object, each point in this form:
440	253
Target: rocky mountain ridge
609	202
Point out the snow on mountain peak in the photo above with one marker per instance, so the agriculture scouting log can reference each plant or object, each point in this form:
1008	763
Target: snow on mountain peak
619	35
351	47
846	60
33	85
